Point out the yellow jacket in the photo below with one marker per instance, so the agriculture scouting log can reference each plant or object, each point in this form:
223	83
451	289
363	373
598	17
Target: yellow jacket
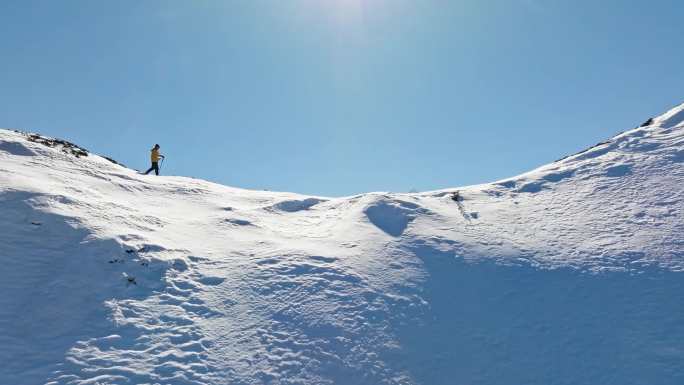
155	156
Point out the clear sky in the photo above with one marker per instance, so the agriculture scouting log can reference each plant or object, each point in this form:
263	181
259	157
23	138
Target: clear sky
337	97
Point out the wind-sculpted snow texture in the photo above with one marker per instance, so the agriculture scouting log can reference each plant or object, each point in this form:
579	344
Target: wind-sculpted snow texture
569	274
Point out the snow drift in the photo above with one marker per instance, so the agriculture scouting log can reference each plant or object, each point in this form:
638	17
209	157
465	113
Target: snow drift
568	274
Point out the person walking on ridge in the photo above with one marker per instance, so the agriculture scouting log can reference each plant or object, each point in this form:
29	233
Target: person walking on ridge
154	157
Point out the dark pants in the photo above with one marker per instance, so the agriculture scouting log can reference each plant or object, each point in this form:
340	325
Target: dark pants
155	167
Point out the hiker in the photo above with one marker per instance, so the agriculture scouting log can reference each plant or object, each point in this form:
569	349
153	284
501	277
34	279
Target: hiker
154	157
455	196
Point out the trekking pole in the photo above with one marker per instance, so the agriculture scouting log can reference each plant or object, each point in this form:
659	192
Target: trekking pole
161	164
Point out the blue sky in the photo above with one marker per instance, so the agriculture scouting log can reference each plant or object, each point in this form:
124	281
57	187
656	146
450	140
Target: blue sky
337	97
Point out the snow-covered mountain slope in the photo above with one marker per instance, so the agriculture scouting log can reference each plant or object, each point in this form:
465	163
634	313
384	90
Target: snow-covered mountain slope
569	274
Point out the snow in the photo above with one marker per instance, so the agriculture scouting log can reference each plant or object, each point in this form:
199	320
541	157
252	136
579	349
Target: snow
568	274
